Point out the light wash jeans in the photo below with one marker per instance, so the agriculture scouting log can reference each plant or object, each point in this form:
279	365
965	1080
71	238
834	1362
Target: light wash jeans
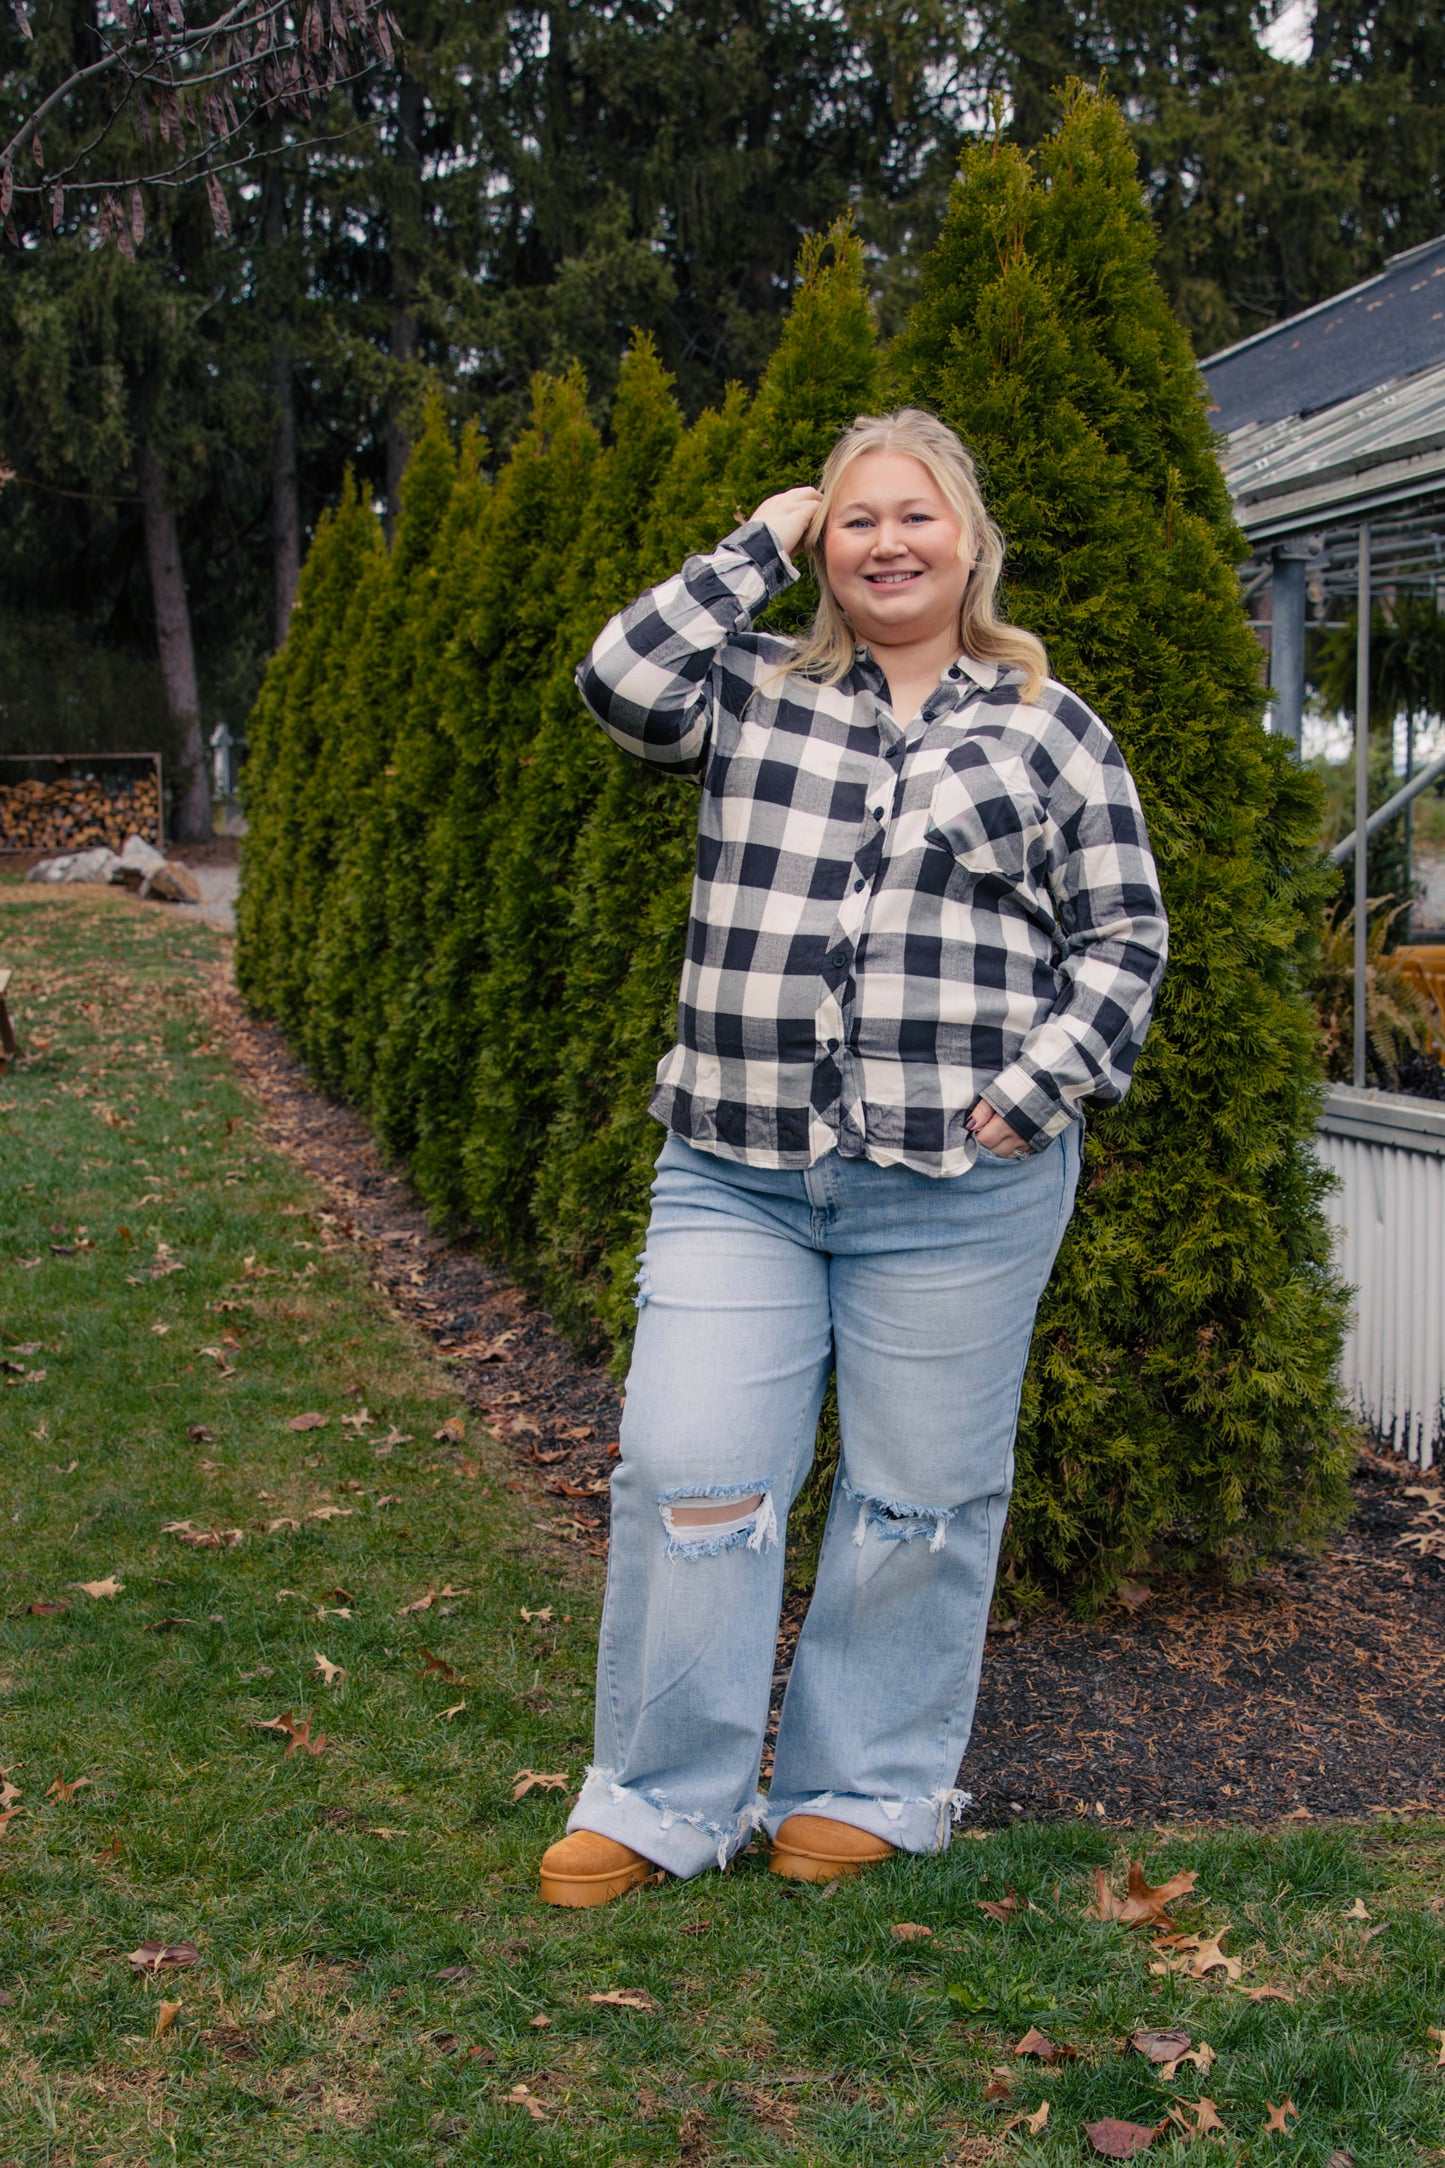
754	1283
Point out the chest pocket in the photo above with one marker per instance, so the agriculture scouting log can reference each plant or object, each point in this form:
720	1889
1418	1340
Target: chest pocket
985	814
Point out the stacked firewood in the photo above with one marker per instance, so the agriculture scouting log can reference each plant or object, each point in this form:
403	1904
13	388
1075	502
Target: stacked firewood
74	812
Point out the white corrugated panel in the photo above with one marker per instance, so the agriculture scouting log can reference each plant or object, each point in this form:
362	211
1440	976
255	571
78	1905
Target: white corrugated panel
1389	1214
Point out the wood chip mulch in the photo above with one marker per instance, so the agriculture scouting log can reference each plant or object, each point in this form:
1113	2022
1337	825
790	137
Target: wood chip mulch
1316	1689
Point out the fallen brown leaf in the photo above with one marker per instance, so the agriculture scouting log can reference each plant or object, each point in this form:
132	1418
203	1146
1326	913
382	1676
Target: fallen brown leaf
999	1908
1161	2047
9	1792
1197	1955
453	1432
437	1664
330	1672
1437	2032
330	1513
540	2022
456	1709
297	1731
910	1931
108	1587
8	1817
42	1609
1143	1903
1121	2141
157	1956
1033	2123
626	1998
1357	1910
1262	1994
200	1434
1278	2118
311	1421
522	2096
1000	2085
1038	2045
204	1539
1133	1594
110	1855
532	1780
422	1603
1206	2116
63	1792
166	2016
543	1616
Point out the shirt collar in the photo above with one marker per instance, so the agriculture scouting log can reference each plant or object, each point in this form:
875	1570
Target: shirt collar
984	674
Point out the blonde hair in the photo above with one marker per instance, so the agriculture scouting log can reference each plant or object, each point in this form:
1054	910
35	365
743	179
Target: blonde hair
825	651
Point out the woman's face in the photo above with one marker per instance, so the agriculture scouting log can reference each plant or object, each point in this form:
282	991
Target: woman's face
892	552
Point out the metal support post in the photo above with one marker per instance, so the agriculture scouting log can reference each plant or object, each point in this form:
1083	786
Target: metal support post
1287	639
1362	800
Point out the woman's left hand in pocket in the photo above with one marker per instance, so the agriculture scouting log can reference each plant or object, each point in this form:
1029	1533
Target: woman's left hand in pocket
993	1132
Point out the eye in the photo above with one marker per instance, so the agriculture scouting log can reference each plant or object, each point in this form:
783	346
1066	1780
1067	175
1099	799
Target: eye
926	517
861	520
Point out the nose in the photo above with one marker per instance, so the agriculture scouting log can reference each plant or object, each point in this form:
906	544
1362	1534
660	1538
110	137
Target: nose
889	541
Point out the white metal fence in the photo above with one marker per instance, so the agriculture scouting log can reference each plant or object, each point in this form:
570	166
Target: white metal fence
1389	1214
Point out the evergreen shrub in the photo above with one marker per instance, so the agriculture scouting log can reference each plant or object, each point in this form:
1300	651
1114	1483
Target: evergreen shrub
467	911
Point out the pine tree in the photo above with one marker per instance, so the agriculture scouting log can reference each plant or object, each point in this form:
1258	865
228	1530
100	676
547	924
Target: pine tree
634	865
295	733
345	1008
1182	1383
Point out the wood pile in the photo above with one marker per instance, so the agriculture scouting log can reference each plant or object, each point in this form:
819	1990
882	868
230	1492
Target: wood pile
74	812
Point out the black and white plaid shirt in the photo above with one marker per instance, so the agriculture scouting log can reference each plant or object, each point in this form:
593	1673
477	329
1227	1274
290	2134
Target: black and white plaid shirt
886	923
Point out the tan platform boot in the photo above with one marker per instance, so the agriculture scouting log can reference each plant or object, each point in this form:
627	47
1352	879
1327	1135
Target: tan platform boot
811	1848
588	1869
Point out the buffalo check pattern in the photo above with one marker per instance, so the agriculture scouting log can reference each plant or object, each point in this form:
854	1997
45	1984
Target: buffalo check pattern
887	923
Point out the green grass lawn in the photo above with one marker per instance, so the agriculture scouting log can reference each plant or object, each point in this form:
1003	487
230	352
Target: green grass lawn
376	1981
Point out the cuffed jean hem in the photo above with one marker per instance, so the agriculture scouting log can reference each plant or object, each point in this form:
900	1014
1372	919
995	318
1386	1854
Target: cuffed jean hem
909	1825
685	1844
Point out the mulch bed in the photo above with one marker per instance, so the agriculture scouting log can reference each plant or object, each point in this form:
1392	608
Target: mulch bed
1317	1689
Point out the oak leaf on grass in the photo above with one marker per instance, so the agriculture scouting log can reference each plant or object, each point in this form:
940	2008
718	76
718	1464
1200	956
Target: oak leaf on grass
1206	2115
8	1817
62	1792
534	1780
154	1957
522	2096
1278	2117
452	1432
1197	1956
297	1731
910	1931
446	1715
1143	1904
1437	2032
1033	2123
110	1586
42	1609
166	2016
330	1672
9	1792
205	1539
422	1603
439	1665
626	1998
1121	2141
310	1421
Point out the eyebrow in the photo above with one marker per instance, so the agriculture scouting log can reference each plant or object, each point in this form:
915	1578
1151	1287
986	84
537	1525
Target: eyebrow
859	504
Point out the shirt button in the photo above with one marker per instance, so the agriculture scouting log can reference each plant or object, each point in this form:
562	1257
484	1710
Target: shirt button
856	886
832	1046
877	812
839	957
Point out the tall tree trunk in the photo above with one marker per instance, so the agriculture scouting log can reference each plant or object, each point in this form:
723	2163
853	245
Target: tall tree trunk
174	647
285	497
406	253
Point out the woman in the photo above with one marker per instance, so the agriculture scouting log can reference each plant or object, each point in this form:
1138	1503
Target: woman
926	928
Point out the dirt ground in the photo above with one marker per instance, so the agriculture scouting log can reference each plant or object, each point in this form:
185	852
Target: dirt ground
1318	1689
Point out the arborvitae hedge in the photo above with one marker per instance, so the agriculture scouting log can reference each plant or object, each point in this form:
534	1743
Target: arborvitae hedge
468	911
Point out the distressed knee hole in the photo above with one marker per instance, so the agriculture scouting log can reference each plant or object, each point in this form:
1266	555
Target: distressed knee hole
721	1517
892	1521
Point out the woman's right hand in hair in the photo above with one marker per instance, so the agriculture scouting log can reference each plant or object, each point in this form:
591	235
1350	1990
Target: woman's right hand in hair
790	514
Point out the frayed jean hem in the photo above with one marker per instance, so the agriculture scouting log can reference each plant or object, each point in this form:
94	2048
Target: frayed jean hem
909	1825
685	1844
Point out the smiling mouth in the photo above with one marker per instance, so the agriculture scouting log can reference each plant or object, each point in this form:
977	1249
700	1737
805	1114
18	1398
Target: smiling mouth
891	579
